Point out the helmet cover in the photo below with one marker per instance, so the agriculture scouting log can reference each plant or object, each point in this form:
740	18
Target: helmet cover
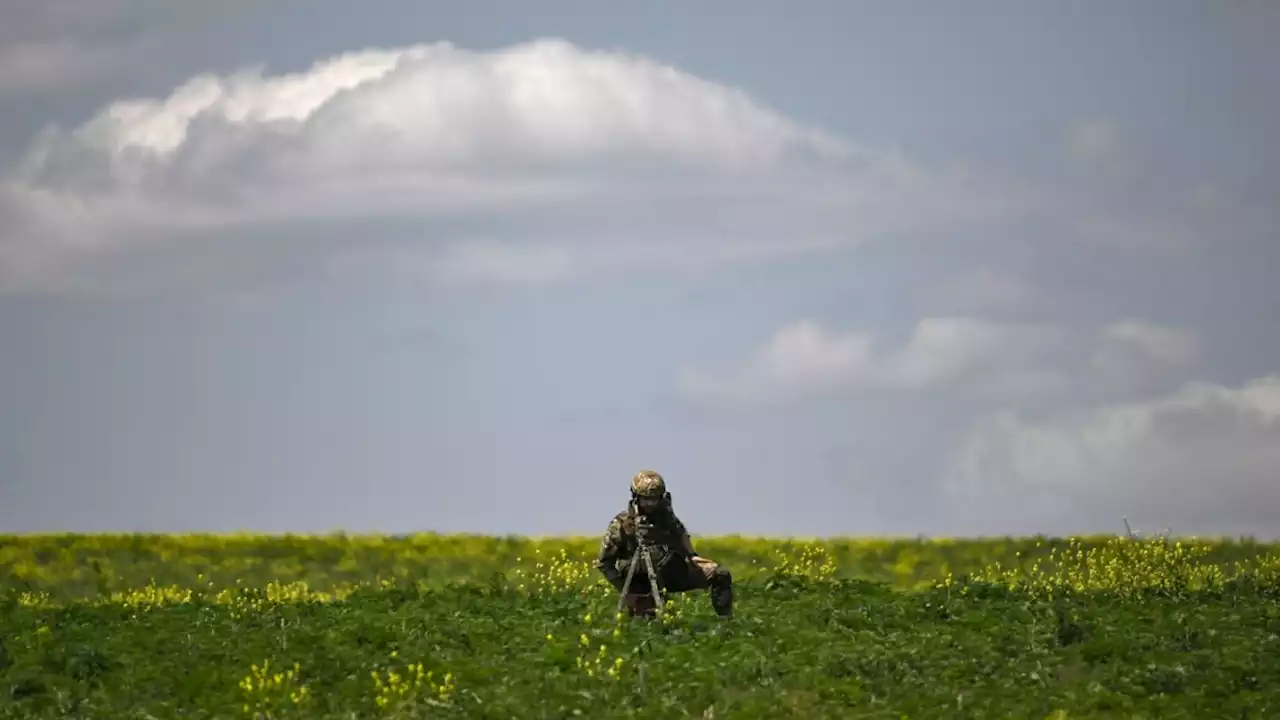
648	483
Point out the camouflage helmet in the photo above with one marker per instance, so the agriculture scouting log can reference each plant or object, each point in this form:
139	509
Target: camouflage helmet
648	483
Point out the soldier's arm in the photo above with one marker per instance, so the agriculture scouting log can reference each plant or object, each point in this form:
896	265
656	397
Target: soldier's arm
610	550
685	540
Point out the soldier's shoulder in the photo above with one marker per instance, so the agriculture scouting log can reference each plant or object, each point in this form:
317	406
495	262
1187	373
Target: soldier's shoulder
619	520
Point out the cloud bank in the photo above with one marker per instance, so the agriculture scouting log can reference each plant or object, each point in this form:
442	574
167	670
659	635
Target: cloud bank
1058	430
606	160
1187	461
984	359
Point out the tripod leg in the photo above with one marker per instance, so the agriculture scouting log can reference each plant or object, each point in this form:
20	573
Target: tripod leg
626	585
655	590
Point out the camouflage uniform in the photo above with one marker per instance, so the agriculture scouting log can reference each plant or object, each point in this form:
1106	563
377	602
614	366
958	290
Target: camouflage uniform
678	567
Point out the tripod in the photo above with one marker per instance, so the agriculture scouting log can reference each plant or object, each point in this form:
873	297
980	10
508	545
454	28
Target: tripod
643	554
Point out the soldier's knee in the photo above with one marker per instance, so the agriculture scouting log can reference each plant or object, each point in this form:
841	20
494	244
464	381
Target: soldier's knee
721	575
708	568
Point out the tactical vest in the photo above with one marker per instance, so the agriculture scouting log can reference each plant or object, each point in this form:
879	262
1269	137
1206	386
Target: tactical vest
663	536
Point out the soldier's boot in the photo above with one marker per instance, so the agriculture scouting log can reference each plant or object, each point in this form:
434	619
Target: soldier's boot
721	590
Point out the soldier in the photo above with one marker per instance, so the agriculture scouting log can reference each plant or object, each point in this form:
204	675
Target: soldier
677	564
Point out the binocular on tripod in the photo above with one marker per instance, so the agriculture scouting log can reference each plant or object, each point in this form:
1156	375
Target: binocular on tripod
643	554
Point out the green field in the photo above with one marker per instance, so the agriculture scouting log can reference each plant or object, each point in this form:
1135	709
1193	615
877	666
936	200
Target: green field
475	627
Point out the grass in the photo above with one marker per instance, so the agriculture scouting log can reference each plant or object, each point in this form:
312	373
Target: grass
432	626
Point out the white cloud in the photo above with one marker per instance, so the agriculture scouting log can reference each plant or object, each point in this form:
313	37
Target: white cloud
801	359
1169	345
527	118
1001	361
1196	461
578	149
590	161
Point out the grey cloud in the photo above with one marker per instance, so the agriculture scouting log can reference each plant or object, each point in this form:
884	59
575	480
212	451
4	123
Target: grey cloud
26	19
992	292
1200	461
51	45
1100	146
1027	364
37	65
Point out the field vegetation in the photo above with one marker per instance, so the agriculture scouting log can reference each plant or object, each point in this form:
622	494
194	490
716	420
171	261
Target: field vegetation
137	626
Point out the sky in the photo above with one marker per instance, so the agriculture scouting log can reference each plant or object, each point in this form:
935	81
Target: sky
874	268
